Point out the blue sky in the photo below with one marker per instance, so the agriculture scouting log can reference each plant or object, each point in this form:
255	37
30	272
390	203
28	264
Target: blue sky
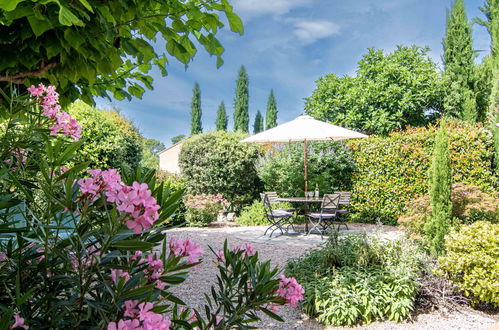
287	46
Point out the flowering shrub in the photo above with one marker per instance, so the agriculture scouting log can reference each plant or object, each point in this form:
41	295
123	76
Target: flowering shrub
203	209
87	249
469	204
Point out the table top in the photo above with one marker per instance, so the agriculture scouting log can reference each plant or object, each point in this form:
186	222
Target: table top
299	199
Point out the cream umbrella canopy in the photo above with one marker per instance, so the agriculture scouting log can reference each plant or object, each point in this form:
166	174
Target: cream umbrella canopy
302	129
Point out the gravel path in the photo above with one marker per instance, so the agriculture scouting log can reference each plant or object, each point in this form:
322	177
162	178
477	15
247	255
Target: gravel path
279	251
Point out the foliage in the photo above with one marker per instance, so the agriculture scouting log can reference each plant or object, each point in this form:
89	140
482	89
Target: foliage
150	149
271	114
439	222
458	60
178	138
469	204
241	100
385	95
101	48
175	183
254	214
258	124
110	141
196	126
217	163
357	279
222	119
330	166
203	209
471	260
393	171
88	250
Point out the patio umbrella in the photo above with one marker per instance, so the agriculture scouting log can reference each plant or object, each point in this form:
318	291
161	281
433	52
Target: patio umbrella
302	129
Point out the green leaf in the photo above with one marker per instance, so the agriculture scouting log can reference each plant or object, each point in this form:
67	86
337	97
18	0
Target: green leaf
66	17
9	5
86	5
39	26
134	245
236	25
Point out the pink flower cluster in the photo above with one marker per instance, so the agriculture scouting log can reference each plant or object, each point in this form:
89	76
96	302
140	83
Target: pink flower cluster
19	155
136	200
18	322
186	248
116	274
62	121
87	260
154	269
142	318
290	290
247	248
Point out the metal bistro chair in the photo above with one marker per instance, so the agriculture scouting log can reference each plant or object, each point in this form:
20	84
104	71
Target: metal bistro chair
272	195
344	202
277	218
322	220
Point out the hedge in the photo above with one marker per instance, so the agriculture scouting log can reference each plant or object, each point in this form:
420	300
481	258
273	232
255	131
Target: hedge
392	171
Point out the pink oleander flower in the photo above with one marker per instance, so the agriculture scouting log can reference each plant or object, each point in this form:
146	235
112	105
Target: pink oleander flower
273	308
124	325
290	290
247	248
3	257
18	322
19	155
186	248
220	256
116	274
130	308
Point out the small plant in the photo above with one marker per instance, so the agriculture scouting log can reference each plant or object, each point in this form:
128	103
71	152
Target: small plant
472	261
203	209
254	214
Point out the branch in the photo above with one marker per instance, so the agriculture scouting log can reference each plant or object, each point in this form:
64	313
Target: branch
19	78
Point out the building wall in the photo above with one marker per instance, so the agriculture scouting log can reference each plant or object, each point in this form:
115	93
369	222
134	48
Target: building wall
168	159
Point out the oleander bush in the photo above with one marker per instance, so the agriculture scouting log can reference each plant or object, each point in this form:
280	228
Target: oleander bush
218	163
469	204
174	183
359	279
393	171
330	166
86	249
202	209
472	260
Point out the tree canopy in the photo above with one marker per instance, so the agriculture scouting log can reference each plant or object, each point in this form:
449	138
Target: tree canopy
100	48
390	91
196	126
241	102
150	149
222	119
258	123
271	114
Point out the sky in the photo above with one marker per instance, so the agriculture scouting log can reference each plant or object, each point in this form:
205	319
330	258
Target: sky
287	46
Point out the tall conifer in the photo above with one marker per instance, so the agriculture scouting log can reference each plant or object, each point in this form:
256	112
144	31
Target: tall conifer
258	124
196	126
241	102
221	122
271	114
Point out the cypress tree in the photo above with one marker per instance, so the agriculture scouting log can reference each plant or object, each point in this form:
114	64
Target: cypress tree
439	222
458	61
258	124
221	122
196	126
241	108
271	115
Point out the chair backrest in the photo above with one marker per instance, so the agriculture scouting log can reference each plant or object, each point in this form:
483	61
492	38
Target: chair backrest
272	196
266	202
344	197
330	202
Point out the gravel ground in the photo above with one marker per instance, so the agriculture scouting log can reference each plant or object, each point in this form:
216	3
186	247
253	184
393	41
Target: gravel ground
192	291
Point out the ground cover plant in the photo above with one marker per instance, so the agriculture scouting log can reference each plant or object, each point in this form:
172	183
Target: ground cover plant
85	249
359	279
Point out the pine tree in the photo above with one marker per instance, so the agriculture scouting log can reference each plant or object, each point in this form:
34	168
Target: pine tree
222	119
258	124
271	115
241	108
439	222
196	126
458	61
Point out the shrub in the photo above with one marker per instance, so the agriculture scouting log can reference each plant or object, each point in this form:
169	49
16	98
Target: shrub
471	261
330	166
218	163
88	250
357	279
254	214
392	171
469	204
203	209
174	184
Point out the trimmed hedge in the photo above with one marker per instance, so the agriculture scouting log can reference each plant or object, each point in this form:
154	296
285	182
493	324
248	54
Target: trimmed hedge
218	163
392	171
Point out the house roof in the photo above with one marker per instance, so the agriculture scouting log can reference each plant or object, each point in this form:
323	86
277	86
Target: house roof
170	147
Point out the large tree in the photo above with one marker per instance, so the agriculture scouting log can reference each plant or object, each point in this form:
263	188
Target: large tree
222	119
241	100
458	59
150	150
258	124
385	95
271	114
104	48
196	113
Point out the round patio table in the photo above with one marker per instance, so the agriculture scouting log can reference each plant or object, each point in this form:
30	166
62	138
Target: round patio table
304	200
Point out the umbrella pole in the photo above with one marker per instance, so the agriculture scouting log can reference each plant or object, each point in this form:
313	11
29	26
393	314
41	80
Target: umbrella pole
305	165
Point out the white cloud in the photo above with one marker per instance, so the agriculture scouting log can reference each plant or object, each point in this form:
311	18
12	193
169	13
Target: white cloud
308	31
253	8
